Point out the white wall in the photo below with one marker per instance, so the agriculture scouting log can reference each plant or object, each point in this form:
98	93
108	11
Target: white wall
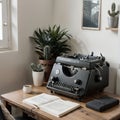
68	13
15	65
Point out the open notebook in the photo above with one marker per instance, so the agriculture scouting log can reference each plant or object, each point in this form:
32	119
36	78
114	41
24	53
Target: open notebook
52	104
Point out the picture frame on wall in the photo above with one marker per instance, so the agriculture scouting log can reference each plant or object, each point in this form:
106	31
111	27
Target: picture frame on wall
91	15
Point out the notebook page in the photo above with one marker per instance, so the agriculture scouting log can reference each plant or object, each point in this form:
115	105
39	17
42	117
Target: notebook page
59	107
41	99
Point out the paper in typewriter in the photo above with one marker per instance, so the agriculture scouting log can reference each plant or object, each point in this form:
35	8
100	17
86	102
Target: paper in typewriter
51	104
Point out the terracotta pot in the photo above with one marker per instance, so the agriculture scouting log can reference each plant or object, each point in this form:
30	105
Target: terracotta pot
48	64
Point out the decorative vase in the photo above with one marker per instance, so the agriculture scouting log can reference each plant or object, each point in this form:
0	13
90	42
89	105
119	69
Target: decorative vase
38	78
48	64
113	22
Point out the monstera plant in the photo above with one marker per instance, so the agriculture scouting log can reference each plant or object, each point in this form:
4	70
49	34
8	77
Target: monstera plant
50	43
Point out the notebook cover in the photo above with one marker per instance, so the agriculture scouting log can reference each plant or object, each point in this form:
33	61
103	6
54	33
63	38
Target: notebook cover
102	103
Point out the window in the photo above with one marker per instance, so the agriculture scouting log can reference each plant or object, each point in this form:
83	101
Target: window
4	23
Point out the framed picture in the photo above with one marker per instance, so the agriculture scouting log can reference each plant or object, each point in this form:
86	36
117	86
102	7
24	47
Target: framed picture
91	14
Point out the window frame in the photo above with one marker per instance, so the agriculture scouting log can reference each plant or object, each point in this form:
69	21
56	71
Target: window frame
5	43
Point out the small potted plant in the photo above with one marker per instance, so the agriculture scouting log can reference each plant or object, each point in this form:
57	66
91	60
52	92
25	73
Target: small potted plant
37	74
113	17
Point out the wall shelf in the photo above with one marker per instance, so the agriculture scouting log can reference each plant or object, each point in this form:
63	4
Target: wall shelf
113	29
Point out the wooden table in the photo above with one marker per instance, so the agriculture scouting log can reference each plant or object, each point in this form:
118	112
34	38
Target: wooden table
15	99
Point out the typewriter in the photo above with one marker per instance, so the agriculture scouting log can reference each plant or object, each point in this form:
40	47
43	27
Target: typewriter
79	75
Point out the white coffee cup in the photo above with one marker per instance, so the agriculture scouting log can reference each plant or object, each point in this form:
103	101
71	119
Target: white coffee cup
27	88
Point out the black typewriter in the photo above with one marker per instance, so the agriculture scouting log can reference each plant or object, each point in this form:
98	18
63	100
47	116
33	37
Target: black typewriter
79	75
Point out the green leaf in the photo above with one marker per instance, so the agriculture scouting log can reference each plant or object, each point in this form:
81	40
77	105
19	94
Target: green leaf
55	37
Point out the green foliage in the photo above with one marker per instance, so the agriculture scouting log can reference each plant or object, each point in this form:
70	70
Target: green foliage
36	67
47	52
113	8
55	38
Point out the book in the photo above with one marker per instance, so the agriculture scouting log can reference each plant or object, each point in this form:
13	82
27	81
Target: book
103	103
51	104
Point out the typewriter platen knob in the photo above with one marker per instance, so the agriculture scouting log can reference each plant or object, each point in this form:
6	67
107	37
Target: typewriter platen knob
78	82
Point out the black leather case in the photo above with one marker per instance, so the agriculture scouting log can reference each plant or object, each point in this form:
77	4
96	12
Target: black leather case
103	103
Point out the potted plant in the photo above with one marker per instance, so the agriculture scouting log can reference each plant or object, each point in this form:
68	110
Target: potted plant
37	74
50	43
113	16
